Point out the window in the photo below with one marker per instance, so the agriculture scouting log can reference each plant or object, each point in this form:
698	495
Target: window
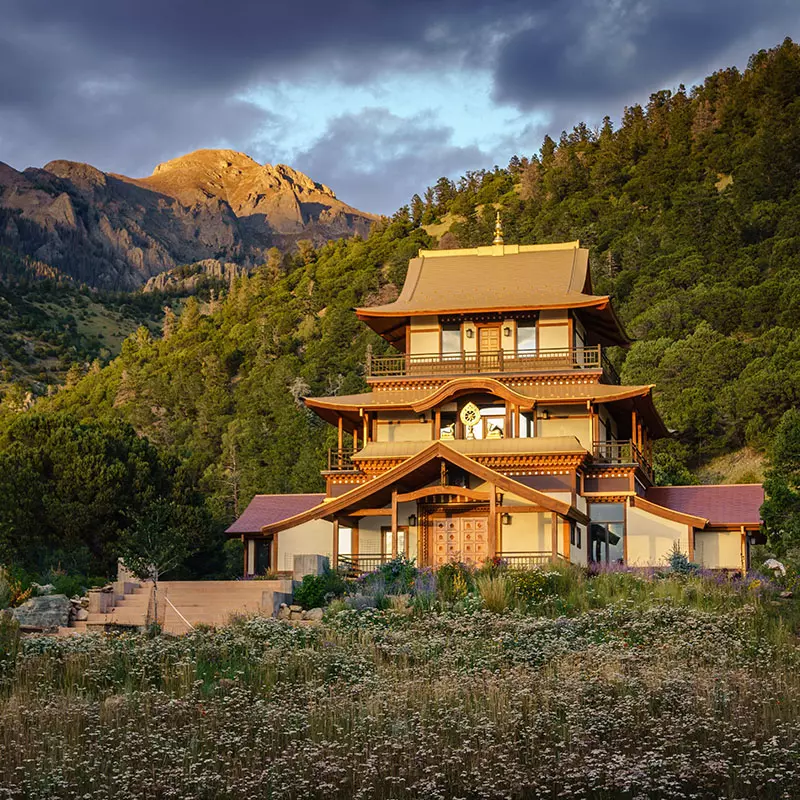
451	339
575	535
526	335
386	541
607	532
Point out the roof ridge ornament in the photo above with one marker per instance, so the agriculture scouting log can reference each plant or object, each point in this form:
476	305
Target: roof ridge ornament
498	230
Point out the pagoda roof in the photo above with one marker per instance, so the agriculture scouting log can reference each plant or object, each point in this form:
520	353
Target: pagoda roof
722	504
420	400
497	278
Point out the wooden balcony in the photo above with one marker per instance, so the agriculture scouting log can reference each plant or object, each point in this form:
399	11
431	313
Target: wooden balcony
625	452
341	460
429	365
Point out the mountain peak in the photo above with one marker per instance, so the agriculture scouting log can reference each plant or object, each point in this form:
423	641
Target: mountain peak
207	159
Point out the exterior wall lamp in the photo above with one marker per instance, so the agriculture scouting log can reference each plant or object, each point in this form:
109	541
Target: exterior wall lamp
470	333
506	518
506	331
412	520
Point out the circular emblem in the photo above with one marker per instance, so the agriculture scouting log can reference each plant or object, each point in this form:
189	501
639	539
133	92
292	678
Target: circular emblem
470	415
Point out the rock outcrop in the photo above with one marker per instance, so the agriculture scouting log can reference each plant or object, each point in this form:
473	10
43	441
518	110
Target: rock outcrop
46	613
113	231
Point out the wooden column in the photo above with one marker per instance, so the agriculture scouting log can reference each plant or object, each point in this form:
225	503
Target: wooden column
341	433
366	427
690	542
554	536
517	421
273	555
394	522
507	425
595	424
566	526
437	424
354	539
335	548
492	527
534	432
633	426
245	546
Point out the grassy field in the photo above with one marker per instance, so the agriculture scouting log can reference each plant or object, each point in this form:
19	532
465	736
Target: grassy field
618	686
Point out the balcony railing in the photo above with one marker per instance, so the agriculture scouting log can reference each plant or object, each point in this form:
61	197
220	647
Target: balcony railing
625	452
341	460
358	564
495	361
526	559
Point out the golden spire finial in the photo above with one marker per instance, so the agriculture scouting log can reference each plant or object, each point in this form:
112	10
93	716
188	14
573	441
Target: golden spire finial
498	230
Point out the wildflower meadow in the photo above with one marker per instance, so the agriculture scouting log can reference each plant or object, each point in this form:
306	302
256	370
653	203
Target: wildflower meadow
613	685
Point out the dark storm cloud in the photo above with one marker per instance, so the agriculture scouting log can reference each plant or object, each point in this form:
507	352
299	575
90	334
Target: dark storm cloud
125	84
600	49
402	156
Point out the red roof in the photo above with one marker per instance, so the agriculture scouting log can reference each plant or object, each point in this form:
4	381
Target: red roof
266	509
722	504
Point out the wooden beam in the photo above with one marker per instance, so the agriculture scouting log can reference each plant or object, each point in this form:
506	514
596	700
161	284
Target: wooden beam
371	512
335	548
523	510
492	531
428	491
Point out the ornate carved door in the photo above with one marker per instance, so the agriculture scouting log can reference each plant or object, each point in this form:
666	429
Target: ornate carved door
460	539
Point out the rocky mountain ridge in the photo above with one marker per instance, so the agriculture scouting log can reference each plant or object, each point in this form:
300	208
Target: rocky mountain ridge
115	232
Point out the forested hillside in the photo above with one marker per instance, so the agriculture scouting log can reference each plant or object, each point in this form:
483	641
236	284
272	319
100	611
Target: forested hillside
691	211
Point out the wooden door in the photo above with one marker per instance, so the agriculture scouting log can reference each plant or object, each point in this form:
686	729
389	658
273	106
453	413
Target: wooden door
489	348
460	539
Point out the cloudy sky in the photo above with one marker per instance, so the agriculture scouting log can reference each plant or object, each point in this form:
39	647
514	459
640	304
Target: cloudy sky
375	98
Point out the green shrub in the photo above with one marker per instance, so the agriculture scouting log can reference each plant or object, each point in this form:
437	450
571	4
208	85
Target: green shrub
532	585
399	575
315	590
454	581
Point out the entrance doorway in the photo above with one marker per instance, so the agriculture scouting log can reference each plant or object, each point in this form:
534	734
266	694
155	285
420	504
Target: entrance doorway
263	556
459	538
489	348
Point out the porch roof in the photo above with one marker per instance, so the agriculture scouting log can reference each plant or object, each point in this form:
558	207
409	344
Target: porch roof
416	472
265	509
721	504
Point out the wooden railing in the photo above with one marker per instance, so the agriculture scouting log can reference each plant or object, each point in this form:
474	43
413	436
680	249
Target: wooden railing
625	452
495	361
526	559
341	460
358	564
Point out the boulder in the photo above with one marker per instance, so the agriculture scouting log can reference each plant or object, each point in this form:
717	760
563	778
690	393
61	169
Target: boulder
314	614
48	612
41	589
283	612
295	608
81	615
295	615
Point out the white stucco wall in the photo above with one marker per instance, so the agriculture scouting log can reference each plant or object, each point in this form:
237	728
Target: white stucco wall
651	538
315	537
718	549
423	340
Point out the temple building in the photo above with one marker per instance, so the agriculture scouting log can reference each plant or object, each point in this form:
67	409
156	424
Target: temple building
498	429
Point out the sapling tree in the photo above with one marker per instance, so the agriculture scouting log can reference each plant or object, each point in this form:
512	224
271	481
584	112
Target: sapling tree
159	540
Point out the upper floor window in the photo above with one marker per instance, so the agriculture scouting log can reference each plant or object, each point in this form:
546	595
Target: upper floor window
451	338
526	335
